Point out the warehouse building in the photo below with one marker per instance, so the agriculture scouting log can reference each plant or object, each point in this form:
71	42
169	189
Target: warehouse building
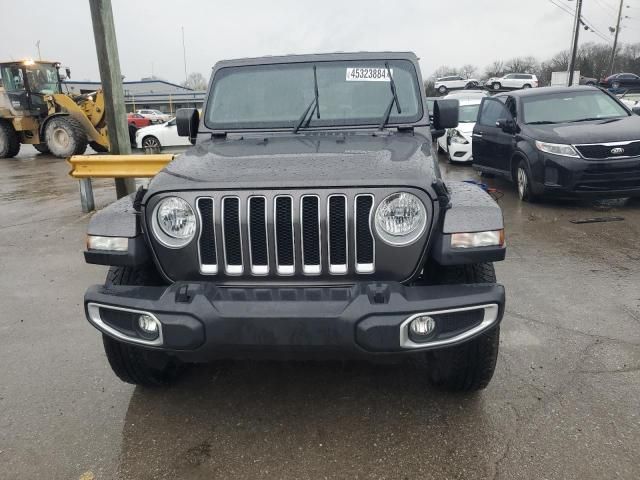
152	93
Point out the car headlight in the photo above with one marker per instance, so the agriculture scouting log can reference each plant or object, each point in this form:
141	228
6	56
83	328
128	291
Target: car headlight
557	149
457	137
174	222
400	219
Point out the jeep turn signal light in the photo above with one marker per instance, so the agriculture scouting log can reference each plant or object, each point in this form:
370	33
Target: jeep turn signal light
492	238
114	244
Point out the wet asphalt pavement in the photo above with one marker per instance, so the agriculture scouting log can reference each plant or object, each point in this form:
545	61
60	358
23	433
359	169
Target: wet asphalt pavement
564	402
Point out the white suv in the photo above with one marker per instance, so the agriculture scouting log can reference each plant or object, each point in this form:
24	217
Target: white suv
454	82
512	80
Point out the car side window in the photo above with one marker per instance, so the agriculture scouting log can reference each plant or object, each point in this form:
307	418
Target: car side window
492	110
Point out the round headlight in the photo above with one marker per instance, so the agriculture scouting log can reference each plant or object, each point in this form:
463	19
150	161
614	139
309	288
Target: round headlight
400	218
175	222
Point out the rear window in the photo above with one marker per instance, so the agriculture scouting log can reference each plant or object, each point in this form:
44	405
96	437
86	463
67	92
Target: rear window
570	107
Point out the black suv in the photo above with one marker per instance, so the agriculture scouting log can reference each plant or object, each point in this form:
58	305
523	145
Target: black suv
310	219
576	141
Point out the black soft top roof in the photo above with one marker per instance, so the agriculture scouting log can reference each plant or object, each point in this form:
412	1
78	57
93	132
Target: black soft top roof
318	57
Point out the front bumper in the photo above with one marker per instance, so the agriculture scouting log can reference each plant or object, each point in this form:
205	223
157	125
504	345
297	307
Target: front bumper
200	321
460	152
577	177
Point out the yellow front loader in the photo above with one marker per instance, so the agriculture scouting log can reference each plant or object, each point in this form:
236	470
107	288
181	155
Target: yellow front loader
34	110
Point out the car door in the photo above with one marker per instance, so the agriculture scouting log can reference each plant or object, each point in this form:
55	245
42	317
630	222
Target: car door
459	82
492	147
510	81
629	80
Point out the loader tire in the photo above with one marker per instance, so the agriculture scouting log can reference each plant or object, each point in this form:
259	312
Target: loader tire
65	137
9	141
98	148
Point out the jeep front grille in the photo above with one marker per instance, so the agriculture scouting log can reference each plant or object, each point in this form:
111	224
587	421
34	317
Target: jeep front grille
286	235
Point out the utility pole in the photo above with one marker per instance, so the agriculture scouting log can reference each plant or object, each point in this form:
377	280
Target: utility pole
615	39
184	57
574	43
38	47
111	78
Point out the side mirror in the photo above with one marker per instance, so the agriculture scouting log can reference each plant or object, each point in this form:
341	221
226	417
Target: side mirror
636	109
507	125
68	71
445	114
187	122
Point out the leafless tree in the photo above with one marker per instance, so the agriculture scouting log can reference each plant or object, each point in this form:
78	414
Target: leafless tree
195	81
521	65
495	69
468	71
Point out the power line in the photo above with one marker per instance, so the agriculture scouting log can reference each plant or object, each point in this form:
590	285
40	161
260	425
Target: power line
605	6
583	20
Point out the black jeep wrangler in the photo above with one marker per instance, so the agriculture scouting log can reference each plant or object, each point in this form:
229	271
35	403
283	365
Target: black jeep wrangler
310	218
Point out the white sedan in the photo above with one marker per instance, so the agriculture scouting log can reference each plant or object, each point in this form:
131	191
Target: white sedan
158	136
456	143
156	116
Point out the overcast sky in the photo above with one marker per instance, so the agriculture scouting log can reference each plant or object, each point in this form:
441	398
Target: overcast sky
149	31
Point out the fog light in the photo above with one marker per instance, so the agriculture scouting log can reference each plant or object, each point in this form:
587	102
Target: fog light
148	326
421	327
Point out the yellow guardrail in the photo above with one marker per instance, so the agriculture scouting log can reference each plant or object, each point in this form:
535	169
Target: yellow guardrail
118	166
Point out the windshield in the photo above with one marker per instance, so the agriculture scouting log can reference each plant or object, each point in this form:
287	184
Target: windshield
43	78
350	93
468	113
571	107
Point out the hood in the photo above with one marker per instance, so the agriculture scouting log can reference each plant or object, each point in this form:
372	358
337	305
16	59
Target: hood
466	127
302	161
150	128
598	131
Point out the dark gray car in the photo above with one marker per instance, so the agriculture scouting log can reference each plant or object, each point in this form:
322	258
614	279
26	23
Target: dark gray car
309	219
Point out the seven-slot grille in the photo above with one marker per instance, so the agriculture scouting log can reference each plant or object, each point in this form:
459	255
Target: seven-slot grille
605	150
286	234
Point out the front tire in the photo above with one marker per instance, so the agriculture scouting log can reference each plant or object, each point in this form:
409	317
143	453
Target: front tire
65	137
468	367
9	141
442	90
523	182
132	364
151	142
496	86
526	85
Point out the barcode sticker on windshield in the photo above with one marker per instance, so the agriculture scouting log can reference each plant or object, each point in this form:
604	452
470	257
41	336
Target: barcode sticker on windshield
365	74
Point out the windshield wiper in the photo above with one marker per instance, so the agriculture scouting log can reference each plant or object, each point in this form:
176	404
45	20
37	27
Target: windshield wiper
542	122
387	112
590	119
314	103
